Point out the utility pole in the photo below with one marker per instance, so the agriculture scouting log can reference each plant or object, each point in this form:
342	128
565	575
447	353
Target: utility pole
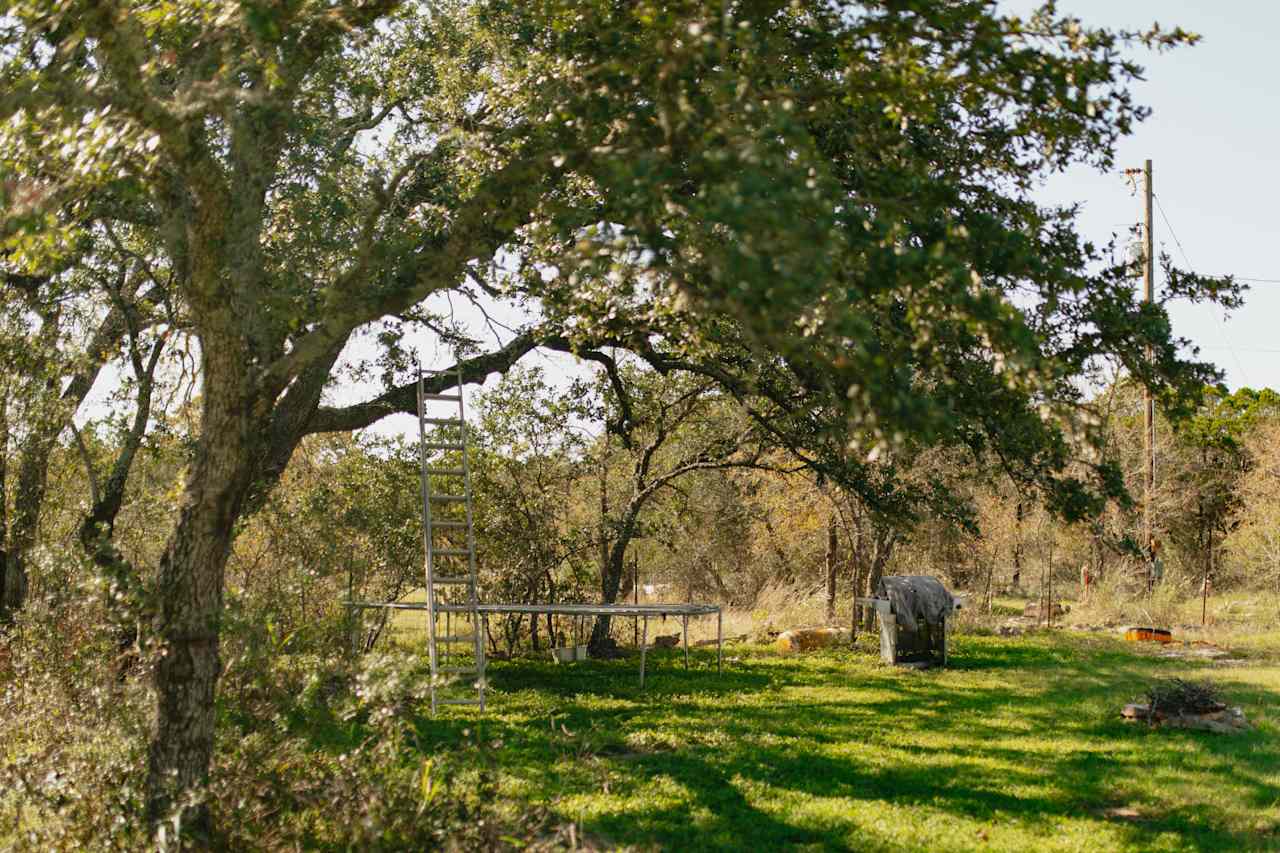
1148	406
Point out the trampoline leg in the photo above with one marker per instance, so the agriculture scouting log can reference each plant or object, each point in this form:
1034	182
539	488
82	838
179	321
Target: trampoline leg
719	642
644	641
686	641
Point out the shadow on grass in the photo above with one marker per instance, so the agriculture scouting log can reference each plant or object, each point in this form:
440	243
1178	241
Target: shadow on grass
665	675
748	760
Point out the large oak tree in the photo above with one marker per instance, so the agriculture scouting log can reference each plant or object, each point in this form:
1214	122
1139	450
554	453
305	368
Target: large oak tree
824	207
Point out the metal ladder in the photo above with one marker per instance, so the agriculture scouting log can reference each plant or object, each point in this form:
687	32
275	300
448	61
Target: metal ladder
457	676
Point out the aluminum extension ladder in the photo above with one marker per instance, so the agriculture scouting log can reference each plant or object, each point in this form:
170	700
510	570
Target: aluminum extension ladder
457	658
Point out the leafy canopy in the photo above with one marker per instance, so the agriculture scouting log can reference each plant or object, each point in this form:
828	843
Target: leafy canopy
826	207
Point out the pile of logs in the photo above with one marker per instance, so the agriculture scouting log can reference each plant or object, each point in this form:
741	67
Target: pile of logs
1177	704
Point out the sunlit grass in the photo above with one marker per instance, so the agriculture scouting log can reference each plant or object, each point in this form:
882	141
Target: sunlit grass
1017	746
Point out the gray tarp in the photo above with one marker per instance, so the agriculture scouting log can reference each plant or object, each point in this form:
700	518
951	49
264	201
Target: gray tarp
915	597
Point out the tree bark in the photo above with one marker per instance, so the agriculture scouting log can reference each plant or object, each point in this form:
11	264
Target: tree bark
832	542
28	497
190	589
4	495
33	472
611	576
1017	547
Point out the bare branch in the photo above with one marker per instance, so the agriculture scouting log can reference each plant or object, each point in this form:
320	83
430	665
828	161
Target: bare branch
404	398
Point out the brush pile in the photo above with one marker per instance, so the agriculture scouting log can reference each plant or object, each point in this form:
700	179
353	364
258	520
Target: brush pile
1175	703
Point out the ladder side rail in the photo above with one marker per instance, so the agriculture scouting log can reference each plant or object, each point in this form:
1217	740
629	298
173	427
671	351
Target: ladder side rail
471	543
429	568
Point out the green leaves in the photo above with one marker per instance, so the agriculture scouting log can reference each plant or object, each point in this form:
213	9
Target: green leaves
828	208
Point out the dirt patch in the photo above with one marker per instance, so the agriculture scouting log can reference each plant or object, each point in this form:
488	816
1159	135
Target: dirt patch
1128	814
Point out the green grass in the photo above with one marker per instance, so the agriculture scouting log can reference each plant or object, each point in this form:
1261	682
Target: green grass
1016	746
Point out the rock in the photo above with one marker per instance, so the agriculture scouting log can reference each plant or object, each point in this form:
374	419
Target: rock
1134	711
666	641
1226	721
1199	723
808	639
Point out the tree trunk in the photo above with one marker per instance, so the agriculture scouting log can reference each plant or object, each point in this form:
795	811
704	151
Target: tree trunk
28	497
855	591
884	542
190	588
1017	547
4	495
832	542
873	578
532	588
986	593
97	530
611	577
55	406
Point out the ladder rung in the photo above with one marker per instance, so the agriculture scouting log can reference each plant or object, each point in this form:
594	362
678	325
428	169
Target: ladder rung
457	701
459	670
451	525
443	445
454	498
451	580
447	472
447	398
443	421
451	552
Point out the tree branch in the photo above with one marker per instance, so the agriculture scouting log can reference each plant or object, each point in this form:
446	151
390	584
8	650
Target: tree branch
403	399
508	197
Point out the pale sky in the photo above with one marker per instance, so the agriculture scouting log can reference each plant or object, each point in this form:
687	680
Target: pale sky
1213	139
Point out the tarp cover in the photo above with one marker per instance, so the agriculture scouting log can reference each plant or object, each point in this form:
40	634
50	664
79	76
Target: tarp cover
916	597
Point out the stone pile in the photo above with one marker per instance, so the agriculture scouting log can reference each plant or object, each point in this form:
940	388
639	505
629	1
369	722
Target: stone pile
1222	720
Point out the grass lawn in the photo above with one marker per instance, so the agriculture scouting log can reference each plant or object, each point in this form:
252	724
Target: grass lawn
1016	746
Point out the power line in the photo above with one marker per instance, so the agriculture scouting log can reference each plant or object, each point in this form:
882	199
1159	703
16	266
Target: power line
1165	217
1174	234
1226	339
